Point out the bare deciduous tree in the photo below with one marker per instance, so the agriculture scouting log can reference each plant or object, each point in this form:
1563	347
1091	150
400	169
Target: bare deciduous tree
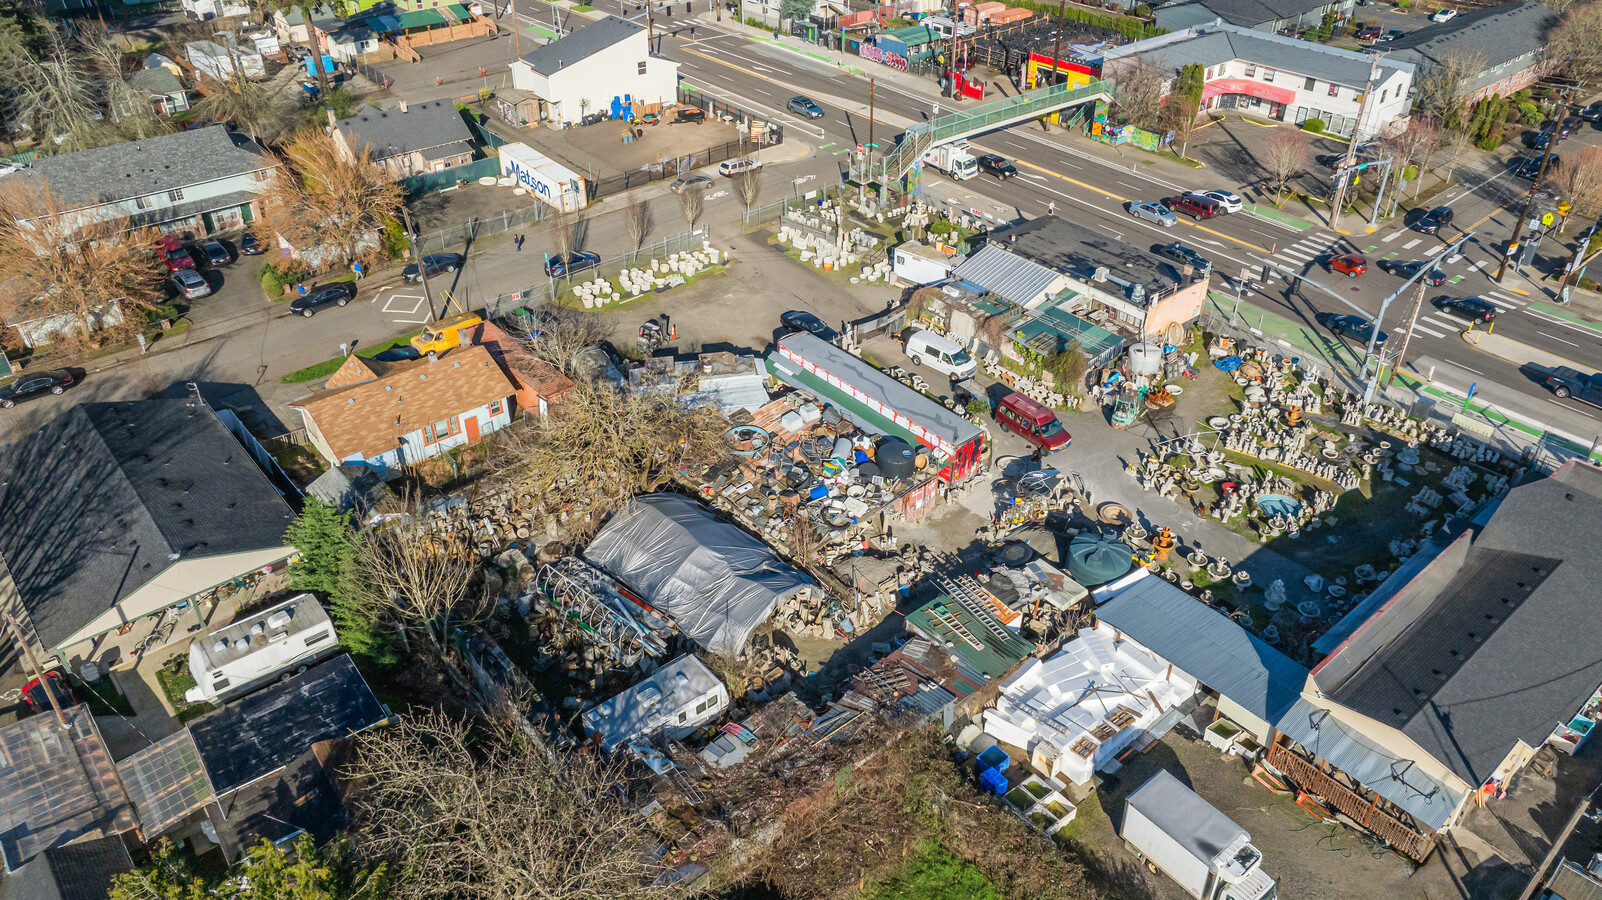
330	207
748	188
1581	178
254	105
476	817
1140	93
1454	145
419	580
692	200
97	276
1411	149
1285	158
1577	41
52	91
555	337
564	231
1442	91
102	55
636	220
604	445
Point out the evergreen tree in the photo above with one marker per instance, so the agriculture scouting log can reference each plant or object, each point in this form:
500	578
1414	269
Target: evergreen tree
327	544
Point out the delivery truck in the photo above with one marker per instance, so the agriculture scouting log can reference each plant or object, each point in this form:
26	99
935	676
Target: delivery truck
954	159
1178	834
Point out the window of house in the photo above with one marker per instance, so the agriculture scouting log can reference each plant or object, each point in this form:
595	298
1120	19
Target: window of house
1251	70
495	407
1336	92
142	202
175	194
1268	74
1310	84
441	430
642	67
318	638
1383	93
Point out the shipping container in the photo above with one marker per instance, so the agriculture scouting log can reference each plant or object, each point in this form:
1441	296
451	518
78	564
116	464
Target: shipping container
546	178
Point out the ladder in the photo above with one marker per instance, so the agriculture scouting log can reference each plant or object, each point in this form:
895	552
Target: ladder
942	616
973	598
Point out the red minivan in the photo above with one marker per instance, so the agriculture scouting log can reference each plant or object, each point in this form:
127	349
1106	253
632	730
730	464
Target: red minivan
1197	208
1034	422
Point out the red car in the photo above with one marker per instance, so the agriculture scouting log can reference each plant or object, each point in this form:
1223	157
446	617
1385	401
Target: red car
174	253
1352	264
33	693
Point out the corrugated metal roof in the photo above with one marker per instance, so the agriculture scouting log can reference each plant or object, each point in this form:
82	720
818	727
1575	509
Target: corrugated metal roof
928	702
998	648
1400	781
1207	646
1007	275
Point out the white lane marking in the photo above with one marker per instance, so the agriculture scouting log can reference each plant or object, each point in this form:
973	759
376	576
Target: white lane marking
1453	258
1501	303
1413	243
1559	322
1390	237
1570	408
1420	326
1434	251
1556	338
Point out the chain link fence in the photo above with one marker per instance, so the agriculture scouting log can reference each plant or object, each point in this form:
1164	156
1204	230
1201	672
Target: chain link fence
550	290
447	240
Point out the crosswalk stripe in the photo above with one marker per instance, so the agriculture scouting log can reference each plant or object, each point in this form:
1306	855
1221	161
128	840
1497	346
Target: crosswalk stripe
1442	321
1434	251
1413	243
1453	258
1504	304
1420	326
1501	296
1391	237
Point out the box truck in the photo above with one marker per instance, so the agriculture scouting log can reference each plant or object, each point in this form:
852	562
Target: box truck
954	160
1177	833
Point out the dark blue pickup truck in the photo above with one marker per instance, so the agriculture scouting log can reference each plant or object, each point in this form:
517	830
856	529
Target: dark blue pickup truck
1567	382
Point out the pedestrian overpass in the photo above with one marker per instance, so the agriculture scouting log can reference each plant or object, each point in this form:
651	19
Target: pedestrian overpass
921	137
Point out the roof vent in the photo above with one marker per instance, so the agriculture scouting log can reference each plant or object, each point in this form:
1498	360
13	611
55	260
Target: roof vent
257	628
220	646
278	619
389	387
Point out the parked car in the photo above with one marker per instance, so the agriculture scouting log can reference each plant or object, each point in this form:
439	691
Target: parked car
942	354
1537	140
690	182
174	253
434	264
1153	212
1331	161
321	297
1434	277
1351	265
214	254
1198	208
249	246
1529	167
800	320
805	106
999	166
1356	328
35	384
1393	34
190	284
1032	421
1371	33
693	115
1443	15
1185	256
33	693
1570	125
1472	308
1228	201
1434	220
1592	113
1566	382
560	267
732	167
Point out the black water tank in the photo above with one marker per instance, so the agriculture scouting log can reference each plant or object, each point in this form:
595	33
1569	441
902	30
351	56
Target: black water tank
895	458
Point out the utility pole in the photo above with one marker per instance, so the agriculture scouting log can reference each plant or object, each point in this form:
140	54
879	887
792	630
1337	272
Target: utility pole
517	33
951	55
872	84
422	270
1056	45
33	662
1351	145
1529	201
1407	335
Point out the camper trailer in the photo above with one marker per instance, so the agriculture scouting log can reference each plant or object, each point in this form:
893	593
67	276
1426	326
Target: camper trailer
254	649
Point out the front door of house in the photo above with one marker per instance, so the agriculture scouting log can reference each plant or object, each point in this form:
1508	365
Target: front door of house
472	429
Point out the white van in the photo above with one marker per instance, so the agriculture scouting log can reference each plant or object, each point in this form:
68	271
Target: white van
941	354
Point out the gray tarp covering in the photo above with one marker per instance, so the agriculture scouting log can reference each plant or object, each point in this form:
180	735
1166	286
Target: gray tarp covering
718	582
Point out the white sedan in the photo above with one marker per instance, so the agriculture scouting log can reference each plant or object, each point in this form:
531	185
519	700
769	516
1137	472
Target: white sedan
1153	212
1443	15
1229	201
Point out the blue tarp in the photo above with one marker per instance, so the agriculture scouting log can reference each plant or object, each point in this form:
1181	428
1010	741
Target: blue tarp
1227	363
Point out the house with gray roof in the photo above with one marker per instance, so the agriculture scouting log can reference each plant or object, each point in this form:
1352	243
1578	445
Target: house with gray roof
604	67
1290	17
411	138
162	89
201	181
114	512
1508	44
1279	77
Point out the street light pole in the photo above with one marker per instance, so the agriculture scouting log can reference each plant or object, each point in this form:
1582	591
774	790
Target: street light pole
1056	46
1407	335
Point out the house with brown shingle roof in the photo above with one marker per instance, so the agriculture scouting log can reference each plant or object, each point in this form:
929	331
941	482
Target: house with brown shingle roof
388	415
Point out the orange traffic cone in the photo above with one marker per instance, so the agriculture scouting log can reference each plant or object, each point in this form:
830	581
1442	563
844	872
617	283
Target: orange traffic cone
673	332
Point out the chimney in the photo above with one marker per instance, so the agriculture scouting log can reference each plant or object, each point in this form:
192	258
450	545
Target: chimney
403	106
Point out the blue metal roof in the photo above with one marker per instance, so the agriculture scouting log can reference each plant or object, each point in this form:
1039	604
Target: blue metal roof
1207	646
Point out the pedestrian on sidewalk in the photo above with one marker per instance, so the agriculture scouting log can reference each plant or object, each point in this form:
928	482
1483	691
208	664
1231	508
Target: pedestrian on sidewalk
436	81
517	242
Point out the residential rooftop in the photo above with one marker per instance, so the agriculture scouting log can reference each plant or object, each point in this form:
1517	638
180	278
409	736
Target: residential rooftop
151	166
581	44
1221	42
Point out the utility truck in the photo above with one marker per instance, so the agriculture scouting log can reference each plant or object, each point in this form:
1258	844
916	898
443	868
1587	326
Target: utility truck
953	159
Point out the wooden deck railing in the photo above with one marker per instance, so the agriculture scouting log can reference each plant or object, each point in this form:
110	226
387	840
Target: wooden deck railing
1365	812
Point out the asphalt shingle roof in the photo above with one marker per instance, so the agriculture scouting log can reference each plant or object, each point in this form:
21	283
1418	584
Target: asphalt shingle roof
1501	33
158	82
150	166
421	127
109	495
81	871
1212	44
1501	651
1247	13
581	44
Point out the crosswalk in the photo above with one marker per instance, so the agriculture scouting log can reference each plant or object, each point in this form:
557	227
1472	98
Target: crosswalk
1316	245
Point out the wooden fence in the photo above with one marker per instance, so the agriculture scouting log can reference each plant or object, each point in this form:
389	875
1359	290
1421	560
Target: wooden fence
1365	813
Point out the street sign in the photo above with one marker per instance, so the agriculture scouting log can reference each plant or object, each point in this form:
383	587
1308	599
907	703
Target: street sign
1548	219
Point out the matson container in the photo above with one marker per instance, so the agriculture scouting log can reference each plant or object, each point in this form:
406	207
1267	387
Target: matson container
544	177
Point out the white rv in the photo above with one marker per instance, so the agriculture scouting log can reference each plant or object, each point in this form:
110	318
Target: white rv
255	648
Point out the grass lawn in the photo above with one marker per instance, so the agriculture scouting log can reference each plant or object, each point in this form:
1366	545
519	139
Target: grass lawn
583	8
175	679
319	279
933	873
104	699
328	366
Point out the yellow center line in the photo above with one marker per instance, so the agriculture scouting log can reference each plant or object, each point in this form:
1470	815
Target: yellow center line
1112	196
